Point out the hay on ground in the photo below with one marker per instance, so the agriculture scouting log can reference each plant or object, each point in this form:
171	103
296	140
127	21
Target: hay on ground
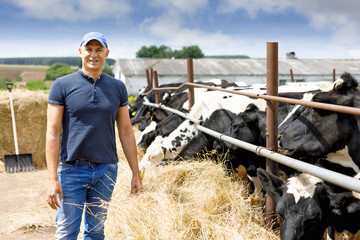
190	200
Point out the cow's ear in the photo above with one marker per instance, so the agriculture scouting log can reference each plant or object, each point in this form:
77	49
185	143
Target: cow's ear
345	202
251	107
271	183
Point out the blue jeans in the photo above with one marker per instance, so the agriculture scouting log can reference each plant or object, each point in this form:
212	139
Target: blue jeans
88	187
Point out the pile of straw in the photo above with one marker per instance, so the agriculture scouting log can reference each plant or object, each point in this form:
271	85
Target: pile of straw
189	200
30	115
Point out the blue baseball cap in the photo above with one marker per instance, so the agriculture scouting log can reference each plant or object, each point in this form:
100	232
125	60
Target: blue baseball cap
94	36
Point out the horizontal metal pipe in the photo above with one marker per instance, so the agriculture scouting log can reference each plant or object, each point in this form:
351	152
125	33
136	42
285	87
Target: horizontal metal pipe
338	179
325	106
330	107
181	114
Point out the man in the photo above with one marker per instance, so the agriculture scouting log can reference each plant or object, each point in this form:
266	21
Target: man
82	110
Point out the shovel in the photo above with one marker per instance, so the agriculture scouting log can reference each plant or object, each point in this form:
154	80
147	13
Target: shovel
17	162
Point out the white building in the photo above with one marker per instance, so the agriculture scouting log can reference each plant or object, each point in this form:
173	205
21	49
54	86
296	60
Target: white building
132	71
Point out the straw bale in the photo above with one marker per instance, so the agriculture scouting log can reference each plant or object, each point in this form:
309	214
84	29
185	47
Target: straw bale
30	117
189	200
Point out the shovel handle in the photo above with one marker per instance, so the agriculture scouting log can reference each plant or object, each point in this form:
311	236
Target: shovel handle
9	86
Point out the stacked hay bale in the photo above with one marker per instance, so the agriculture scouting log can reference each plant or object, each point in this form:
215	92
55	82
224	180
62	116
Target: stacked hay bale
30	115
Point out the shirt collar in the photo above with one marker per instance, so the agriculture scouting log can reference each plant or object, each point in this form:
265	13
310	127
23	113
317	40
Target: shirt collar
88	77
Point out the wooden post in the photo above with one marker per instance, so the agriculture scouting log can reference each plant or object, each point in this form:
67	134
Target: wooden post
190	79
334	75
156	84
271	120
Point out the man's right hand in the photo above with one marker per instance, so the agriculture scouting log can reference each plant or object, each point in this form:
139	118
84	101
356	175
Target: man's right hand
54	189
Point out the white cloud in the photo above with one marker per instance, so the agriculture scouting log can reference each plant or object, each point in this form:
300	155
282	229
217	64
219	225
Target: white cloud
170	27
355	53
74	10
252	7
30	47
189	7
176	27
339	17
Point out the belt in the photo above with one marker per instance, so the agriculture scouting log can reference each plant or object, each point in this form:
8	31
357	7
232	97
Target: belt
83	163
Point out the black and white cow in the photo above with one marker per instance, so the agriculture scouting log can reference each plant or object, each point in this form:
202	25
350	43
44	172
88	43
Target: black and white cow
163	129
140	112
207	103
248	126
306	206
218	121
309	134
171	98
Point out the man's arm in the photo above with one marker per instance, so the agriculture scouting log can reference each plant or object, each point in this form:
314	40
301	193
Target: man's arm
53	138
128	144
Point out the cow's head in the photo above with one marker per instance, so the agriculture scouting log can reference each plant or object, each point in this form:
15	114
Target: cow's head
306	206
153	155
313	133
345	212
249	126
299	212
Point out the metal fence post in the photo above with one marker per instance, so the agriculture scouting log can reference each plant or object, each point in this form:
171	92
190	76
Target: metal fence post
149	86
292	75
190	79
151	78
271	119
156	84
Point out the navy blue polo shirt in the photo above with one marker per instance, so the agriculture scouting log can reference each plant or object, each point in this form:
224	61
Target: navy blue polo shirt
90	110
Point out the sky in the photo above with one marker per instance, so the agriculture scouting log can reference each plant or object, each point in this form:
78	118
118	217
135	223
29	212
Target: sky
313	29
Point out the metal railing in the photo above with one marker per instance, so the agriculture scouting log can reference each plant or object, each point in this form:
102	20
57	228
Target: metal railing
270	152
341	180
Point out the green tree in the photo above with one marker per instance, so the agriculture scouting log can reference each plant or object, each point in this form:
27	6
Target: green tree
58	70
107	69
154	52
147	52
166	52
189	52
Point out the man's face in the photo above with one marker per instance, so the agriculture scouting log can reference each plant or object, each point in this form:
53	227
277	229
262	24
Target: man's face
93	55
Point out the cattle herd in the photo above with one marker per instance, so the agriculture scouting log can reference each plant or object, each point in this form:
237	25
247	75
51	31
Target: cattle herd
306	205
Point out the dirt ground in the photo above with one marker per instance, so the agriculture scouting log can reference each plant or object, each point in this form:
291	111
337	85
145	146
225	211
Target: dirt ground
24	213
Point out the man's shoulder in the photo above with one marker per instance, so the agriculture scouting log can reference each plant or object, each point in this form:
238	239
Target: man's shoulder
108	77
66	81
113	80
68	76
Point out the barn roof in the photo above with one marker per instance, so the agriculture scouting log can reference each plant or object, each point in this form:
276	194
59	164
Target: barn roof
246	67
